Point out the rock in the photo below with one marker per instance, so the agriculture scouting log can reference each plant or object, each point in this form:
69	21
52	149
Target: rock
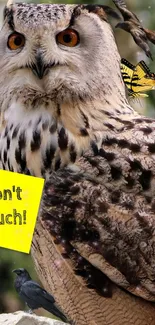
23	318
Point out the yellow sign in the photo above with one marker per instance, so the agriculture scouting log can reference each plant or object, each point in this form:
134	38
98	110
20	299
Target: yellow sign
20	197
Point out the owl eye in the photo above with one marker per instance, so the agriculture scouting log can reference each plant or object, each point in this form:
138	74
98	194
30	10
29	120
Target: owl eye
16	41
68	37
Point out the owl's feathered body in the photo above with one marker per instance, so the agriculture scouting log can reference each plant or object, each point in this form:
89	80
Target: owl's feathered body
65	117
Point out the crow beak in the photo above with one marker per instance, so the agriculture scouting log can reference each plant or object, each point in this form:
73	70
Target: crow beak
39	68
15	271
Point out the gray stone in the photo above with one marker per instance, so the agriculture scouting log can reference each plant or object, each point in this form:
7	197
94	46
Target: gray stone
23	318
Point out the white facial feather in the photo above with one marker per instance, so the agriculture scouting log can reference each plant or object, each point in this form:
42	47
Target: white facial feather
78	70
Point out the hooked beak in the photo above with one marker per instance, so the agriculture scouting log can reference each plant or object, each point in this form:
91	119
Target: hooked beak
39	68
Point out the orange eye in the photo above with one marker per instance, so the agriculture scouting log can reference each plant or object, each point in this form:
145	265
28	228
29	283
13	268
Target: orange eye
16	41
69	37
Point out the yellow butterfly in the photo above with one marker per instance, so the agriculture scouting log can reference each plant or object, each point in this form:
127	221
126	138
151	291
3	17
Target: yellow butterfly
137	78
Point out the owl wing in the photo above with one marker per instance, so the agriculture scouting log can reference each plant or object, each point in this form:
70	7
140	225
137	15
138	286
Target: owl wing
103	213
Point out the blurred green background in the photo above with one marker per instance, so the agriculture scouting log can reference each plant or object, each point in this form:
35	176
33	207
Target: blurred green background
145	10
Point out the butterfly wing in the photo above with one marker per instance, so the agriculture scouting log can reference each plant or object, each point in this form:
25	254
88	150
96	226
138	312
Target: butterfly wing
137	95
146	79
137	78
127	70
130	78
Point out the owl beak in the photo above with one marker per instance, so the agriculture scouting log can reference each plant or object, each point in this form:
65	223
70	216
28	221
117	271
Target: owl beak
39	68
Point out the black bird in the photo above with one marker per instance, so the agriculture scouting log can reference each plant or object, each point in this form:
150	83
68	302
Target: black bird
34	296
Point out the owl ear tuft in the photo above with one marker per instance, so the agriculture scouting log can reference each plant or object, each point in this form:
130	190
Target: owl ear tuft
102	11
9	4
8	14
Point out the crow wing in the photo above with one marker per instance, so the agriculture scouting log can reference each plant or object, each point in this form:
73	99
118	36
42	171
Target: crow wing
34	295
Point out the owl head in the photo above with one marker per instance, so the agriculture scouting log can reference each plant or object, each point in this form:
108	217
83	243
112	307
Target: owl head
57	52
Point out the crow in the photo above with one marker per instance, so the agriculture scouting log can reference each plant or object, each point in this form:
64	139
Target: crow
35	296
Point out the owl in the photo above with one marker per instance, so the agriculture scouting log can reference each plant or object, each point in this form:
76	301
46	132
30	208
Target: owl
52	80
65	117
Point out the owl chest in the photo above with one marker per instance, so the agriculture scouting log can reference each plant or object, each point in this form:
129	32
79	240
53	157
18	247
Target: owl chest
36	147
30	149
